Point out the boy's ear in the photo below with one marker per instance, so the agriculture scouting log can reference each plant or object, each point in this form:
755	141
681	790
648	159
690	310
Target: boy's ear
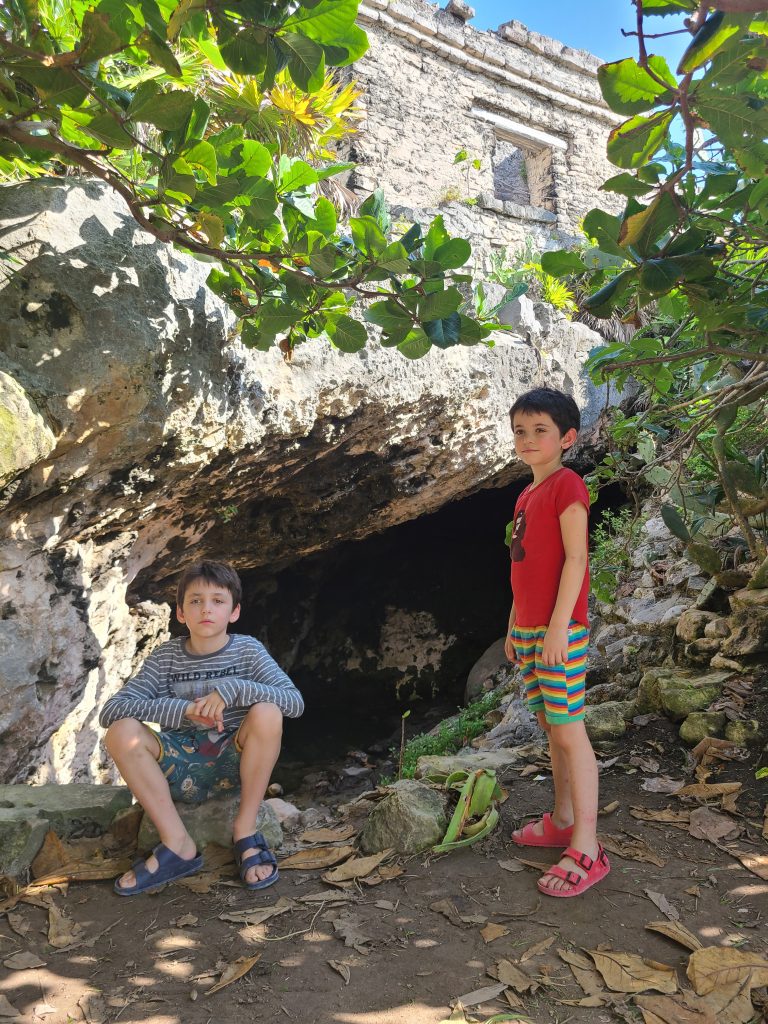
180	614
235	613
568	439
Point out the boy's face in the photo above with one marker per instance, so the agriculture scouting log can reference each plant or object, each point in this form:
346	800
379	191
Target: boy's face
207	609
537	438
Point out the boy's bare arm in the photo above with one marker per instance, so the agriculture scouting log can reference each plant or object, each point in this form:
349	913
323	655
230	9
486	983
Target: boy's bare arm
509	647
573	529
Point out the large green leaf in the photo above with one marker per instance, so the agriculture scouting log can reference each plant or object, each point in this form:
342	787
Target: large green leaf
306	60
603	302
629	89
562	263
388	315
604	229
99	37
634	142
711	37
251	159
165	110
438	305
348	334
626	185
295	174
262	205
453	254
367	235
202	155
325	216
243	50
647	226
104	127
416	344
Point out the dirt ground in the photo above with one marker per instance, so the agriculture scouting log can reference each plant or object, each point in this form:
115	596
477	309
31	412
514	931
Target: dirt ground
405	962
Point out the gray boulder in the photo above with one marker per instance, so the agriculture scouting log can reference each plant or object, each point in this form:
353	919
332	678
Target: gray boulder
692	624
607	721
446	764
411	819
75	809
749	632
491	669
212	821
21	835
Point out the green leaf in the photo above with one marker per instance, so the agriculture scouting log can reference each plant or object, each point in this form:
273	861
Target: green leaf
470	331
376	206
212	226
99	37
367	235
416	344
626	185
393	259
642	229
388	315
711	37
444	333
453	254
435	237
629	89
325	216
604	230
634	142
331	170
562	263
461	156
104	127
252	158
730	117
251	336
323	261
294	174
348	334
674	523
438	305
744	477
243	50
263	203
602	302
160	52
306	60
202	155
165	110
705	556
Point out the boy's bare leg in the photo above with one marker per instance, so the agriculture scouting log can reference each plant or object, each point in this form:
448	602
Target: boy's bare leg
573	746
259	737
562	812
135	750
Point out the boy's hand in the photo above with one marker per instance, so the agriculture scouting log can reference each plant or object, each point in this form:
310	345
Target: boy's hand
509	650
211	708
192	716
555	647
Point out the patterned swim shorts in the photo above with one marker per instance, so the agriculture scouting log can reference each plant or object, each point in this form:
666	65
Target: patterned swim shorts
199	763
557	690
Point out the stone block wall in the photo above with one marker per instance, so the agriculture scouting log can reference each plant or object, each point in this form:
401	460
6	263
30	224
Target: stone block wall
527	106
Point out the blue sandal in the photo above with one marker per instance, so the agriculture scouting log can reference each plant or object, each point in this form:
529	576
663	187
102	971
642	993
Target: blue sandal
264	856
170	868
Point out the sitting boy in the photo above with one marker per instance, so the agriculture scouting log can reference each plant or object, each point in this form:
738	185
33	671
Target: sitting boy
219	700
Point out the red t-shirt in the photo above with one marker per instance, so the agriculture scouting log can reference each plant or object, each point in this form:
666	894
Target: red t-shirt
537	551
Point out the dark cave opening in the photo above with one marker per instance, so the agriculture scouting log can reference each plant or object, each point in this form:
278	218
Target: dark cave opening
394	622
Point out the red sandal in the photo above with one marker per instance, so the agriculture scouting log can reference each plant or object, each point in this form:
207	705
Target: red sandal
596	870
552	835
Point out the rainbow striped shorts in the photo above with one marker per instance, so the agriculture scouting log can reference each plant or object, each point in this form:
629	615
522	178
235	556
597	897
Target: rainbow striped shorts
557	690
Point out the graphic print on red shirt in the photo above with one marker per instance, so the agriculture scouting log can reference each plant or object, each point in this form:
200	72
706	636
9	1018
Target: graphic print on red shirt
537	552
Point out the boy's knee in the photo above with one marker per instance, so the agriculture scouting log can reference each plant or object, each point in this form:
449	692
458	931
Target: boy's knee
542	719
264	719
125	734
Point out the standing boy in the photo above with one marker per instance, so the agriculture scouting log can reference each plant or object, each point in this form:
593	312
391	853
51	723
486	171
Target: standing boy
219	700
548	633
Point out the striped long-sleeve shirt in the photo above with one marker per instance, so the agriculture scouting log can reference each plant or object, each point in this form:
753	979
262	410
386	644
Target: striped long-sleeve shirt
242	672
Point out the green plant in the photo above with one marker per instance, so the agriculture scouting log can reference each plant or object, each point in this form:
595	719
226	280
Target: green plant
523	272
452	734
685	265
609	556
216	122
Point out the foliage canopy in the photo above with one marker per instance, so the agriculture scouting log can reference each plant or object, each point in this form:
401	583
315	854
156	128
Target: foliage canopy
181	106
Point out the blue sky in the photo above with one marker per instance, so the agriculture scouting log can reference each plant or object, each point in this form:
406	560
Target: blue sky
593	25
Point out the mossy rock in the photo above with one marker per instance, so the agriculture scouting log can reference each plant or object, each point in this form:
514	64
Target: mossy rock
606	721
680	696
411	819
25	436
700	724
744	733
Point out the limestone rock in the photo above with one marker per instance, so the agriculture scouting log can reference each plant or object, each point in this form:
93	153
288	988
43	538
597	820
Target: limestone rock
445	764
287	814
517	726
746	599
22	833
491	669
701	651
746	733
729	665
411	819
607	721
700	724
461	10
211	822
25	436
176	410
749	632
718	626
71	810
681	695
692	623
649	696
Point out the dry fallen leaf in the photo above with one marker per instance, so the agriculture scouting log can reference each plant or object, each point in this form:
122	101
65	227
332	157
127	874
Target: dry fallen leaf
537	949
23	961
711	825
663	904
661	784
62	931
93	1007
318	857
671	1010
81	860
631	849
342	969
609	808
233	972
675	931
327	835
590	1001
384	873
6	1009
482	995
349	928
627	972
19	924
667	816
511	865
330	896
716	967
757	863
258	915
492	931
385	904
514	977
186	921
713	749
357	867
708	790
448	909
583	971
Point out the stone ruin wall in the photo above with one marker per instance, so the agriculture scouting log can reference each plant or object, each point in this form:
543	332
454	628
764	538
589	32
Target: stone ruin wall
527	106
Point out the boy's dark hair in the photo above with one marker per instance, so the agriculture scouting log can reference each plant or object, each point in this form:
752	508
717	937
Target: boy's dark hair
214	573
557	404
